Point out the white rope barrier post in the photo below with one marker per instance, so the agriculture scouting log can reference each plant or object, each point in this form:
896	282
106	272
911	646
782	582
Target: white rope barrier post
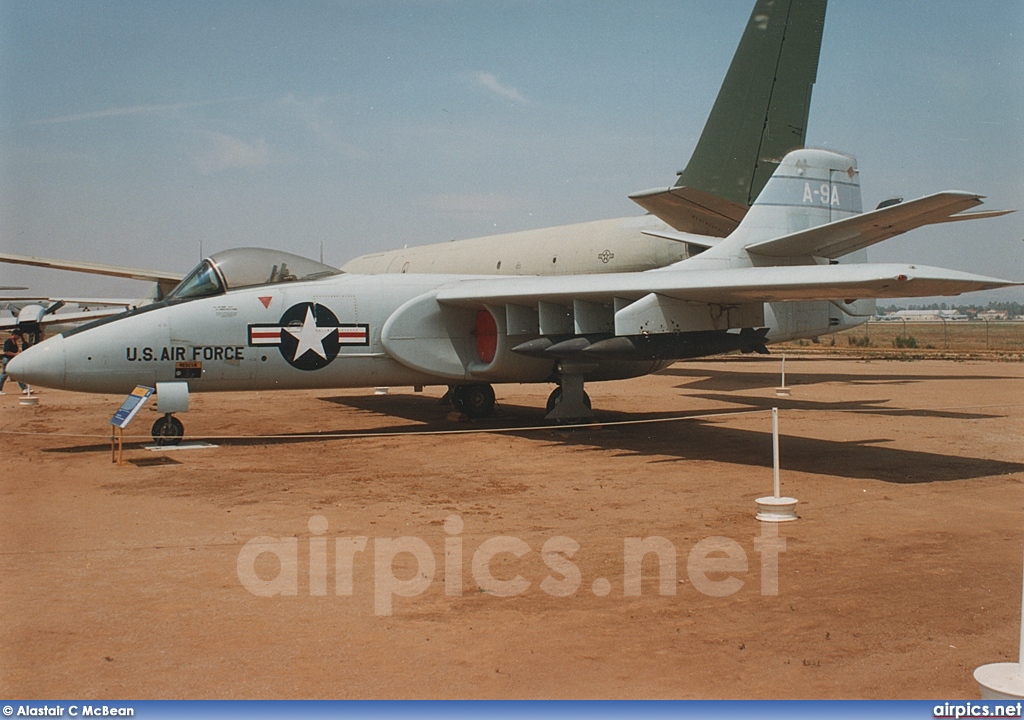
1004	681
775	449
28	399
782	390
776	508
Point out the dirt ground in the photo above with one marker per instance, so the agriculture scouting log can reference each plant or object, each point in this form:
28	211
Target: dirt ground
901	576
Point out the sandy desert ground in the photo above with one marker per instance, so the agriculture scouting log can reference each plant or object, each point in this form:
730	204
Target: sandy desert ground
901	576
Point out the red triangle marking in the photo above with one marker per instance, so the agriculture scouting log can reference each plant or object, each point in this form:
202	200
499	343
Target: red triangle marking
266	301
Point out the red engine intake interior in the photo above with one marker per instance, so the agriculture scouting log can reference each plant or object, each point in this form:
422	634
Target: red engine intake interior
486	331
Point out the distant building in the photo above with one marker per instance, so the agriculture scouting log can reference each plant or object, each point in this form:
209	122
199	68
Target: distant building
993	315
924	315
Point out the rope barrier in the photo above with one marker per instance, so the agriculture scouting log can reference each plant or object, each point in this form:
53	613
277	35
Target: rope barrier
527	428
405	433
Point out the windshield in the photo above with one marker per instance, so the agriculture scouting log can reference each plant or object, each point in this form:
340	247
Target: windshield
201	282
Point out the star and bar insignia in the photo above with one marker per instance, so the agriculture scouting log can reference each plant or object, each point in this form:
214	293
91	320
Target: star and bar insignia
308	335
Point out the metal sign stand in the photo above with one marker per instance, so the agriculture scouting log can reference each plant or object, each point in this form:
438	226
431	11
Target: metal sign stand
116	446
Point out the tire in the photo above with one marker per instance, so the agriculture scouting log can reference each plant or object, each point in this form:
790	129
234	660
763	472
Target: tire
556	397
477	401
167	430
553	399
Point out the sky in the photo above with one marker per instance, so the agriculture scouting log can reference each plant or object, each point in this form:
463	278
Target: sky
137	133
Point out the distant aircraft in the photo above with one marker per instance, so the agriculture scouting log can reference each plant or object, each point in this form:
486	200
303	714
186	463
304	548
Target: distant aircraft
256	319
34	315
760	114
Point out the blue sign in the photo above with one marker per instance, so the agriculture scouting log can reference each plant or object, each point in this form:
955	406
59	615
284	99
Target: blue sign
132	404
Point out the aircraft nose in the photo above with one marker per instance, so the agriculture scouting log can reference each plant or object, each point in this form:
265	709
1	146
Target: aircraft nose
41	364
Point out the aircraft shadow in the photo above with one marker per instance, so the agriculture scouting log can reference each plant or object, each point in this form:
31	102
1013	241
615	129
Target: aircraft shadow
684	440
853	459
728	380
868	407
700	439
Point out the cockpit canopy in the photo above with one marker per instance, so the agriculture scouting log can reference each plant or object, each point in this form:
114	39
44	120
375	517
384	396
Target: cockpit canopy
247	267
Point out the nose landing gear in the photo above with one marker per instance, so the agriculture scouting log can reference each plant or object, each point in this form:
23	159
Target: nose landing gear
167	430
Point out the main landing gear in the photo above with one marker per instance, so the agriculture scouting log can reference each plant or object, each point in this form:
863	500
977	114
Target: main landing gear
569	402
555	399
477	401
167	430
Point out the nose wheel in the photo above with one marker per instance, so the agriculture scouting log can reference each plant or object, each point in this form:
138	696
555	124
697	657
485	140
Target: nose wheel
168	430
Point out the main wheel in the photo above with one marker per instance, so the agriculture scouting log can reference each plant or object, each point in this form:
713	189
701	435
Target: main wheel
556	397
167	430
477	401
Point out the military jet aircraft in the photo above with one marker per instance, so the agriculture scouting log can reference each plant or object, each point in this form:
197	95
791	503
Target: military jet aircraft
256	319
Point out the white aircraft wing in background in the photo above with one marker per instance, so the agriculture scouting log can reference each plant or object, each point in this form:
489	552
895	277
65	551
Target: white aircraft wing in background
166	281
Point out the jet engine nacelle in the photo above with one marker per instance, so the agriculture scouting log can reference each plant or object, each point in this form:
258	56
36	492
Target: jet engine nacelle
455	343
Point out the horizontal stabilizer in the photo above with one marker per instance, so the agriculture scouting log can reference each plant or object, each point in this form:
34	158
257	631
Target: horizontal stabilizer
843	237
701	241
976	215
690	210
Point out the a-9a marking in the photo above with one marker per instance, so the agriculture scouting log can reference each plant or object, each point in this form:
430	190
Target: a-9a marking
177	353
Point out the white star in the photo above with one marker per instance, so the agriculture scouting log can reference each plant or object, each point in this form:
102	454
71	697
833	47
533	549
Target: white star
310	337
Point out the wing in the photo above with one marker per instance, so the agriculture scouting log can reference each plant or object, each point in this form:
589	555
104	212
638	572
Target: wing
167	281
641	307
860	231
725	287
69	318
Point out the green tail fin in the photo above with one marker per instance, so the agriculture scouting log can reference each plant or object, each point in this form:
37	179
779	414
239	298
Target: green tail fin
761	110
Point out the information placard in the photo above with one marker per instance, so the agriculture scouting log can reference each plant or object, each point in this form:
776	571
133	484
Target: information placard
131	405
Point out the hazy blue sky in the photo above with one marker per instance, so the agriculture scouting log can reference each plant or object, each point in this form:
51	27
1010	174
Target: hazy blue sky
132	131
